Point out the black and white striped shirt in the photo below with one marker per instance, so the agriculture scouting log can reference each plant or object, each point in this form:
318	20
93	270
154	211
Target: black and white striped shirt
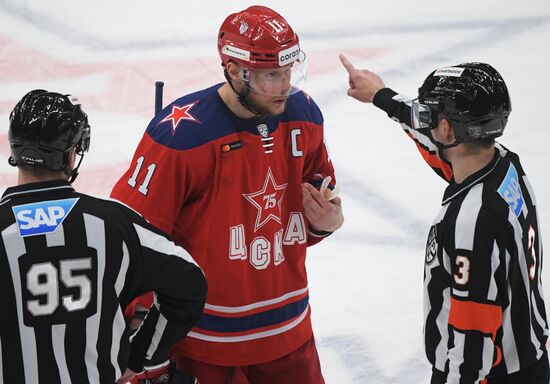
69	265
484	311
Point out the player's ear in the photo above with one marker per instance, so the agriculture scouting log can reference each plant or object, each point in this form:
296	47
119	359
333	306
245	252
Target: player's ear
233	70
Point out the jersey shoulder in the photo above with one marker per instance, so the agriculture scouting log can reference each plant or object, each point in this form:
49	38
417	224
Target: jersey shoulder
191	121
109	209
301	107
6	214
506	186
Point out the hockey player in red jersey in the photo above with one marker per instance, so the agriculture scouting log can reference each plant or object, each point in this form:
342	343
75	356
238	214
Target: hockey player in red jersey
236	173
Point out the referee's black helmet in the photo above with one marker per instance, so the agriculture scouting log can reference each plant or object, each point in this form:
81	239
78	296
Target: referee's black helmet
472	96
44	127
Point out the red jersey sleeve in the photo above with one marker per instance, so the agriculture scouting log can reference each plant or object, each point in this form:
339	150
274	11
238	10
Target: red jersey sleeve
153	185
317	166
157	183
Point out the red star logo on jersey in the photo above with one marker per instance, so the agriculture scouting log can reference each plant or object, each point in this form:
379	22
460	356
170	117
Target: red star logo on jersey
267	200
180	113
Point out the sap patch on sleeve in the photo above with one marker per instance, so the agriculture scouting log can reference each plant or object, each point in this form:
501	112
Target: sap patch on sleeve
510	190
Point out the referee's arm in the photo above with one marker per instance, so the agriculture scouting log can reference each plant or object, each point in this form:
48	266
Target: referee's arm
399	109
179	290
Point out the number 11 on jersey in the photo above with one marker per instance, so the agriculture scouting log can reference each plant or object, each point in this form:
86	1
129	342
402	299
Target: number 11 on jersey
143	188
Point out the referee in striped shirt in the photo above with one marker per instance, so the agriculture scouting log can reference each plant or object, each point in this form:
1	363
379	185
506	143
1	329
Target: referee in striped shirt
70	263
485	316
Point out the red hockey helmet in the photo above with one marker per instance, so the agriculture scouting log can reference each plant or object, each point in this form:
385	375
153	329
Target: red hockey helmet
258	38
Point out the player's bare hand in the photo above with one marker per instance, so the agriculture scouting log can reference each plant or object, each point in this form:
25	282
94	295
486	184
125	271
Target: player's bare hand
323	214
363	84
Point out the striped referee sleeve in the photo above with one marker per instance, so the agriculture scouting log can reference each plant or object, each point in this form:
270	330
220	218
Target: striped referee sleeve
398	108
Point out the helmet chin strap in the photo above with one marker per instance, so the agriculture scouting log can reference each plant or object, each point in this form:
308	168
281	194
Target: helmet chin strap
242	96
441	147
74	172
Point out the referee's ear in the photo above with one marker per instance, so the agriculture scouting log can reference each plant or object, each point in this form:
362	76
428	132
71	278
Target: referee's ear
72	158
444	132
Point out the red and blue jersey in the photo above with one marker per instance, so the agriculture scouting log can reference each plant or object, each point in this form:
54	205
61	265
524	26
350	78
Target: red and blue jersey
229	191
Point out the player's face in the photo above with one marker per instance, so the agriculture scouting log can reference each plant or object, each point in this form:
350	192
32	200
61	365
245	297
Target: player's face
273	81
262	105
270	90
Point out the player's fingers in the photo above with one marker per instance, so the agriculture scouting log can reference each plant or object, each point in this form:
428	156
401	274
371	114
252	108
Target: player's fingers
347	64
353	93
332	194
312	211
311	199
307	194
337	201
319	197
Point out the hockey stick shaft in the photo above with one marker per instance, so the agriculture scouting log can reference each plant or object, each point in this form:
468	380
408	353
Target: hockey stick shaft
158	96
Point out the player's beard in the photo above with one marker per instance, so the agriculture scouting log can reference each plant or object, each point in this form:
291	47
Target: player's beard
262	108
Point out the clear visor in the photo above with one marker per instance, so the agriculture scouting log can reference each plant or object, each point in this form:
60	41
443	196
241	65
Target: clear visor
421	115
281	81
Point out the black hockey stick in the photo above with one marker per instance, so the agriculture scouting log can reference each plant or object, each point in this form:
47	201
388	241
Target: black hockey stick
158	96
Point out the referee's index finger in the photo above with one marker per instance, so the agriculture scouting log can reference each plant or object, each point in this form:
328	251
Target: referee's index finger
347	64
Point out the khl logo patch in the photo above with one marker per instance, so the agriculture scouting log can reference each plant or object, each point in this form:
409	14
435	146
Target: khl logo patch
431	245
